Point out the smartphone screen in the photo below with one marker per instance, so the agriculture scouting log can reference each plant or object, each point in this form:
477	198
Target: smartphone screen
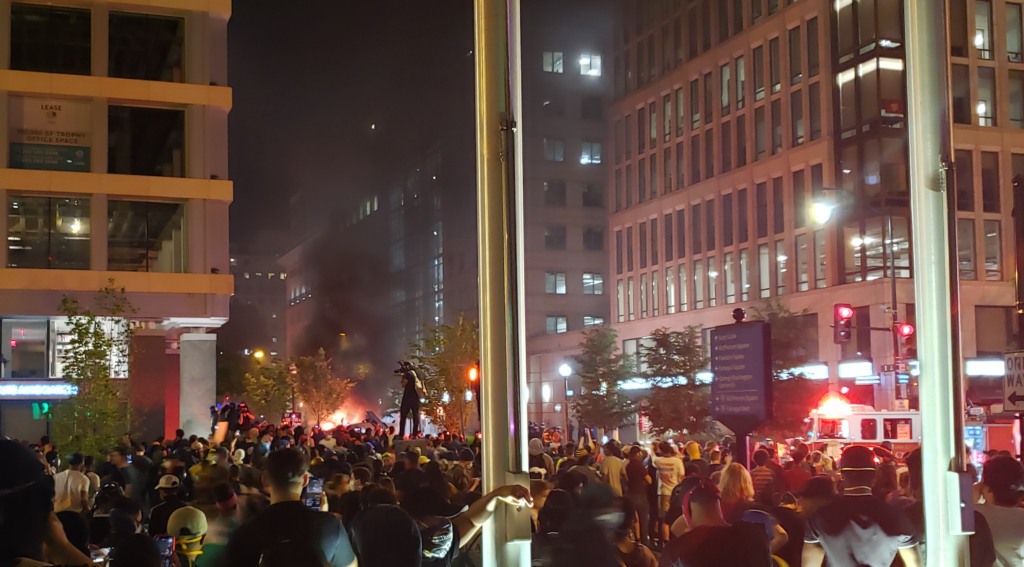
314	493
99	555
166	546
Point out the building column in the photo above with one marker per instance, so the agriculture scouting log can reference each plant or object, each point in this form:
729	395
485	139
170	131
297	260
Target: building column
198	386
99	134
3	225
5	31
195	236
98	232
100	40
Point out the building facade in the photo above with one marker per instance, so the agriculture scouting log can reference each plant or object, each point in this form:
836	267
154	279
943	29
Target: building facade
260	301
114	168
733	121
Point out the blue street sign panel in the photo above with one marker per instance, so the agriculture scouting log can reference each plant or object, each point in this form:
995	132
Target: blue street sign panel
741	392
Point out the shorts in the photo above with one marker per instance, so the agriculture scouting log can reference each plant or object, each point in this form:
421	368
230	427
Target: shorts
664	501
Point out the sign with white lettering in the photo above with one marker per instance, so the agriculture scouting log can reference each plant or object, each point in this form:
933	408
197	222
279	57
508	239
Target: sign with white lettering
36	390
49	134
741	360
1013	382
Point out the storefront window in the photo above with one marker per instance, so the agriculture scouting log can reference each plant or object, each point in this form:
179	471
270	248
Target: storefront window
25	348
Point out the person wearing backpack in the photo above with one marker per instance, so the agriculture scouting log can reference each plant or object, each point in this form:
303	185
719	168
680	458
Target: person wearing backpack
288	526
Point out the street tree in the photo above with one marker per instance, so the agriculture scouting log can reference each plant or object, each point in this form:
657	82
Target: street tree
98	348
794	337
268	389
442	358
319	386
677	402
602	369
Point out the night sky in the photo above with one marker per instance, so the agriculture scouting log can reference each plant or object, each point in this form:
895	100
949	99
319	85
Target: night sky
311	76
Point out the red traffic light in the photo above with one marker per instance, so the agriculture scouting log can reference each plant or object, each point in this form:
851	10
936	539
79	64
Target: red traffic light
842	322
904	330
844	312
474	373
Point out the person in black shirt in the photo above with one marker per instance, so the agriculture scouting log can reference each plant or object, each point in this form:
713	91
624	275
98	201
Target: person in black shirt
856	529
713	542
288	523
410	400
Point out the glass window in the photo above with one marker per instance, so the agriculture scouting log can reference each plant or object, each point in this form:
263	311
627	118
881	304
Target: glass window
641	141
709	209
695	104
557	325
796	113
629	185
776	65
680	166
983	28
759	72
589	320
709	153
820	277
723	20
730	278
737	16
552	62
681	232
670	291
799	199
680	116
554	193
760	134
652	127
695	228
781	261
776	126
762	209
653	160
803	254
554	282
618	252
773	6
593	195
629	249
654	241
958	27
654	294
643	296
146	141
814	108
741	140
742	223
705	26
641	168
684	284
813	56
146	237
618	190
961	87
744	276
709	97
666	117
741	82
986	96
778	206
695	157
764	271
990	182
698	285
48	233
727	224
593	284
869	429
619	142
642	233
667	169
620	301
725	74
712	282
48	39
965	249
726	147
590	153
693	34
898	429
554	150
993	253
669	236
590	64
964	169
1016	99
28	348
630	299
1014	45
593	239
146	47
554	237
629	136
756	11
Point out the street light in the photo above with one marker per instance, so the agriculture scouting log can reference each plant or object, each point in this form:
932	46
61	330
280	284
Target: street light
821	211
565	370
258	355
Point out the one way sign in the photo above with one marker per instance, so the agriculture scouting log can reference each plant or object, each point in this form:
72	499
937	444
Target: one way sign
1013	382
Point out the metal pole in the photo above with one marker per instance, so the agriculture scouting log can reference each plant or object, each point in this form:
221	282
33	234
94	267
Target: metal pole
499	229
928	134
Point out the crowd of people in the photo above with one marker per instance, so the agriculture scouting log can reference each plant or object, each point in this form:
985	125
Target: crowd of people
289	496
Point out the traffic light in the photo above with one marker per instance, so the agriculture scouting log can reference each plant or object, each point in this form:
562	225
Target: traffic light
842	323
904	330
474	380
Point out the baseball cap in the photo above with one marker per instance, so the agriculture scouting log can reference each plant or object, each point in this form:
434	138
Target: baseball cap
426	501
238	456
424	459
187	521
466	454
168	481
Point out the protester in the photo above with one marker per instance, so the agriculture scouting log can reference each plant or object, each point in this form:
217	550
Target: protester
71	487
1002	486
612	469
711	541
168	488
856	529
670	471
638	480
188	525
763	478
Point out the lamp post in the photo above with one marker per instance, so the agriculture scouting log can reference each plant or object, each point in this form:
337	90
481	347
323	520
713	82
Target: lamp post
565	371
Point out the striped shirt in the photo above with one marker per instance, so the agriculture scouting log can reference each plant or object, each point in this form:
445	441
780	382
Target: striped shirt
764	483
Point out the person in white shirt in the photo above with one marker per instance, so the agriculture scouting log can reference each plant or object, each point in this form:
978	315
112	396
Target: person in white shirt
1002	486
71	487
612	469
94	479
670	473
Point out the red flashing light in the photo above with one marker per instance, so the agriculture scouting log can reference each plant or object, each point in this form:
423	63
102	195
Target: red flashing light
14	344
904	330
474	373
844	312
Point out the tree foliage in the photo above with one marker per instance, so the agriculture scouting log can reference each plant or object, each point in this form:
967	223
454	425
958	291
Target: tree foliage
98	348
268	390
792	333
676	402
321	389
442	359
231	370
602	370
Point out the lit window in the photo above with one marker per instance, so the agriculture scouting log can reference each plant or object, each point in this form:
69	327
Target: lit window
588	321
283	275
554	282
591	153
234	262
590	64
259	275
273	315
247	275
273	339
273	353
271	275
557	325
553	62
593	284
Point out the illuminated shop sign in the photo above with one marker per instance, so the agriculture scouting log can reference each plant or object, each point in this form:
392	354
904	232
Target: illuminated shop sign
36	390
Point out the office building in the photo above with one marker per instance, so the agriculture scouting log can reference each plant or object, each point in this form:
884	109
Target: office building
114	167
258	306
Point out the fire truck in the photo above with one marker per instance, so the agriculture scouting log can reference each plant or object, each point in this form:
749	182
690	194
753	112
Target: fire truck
836	423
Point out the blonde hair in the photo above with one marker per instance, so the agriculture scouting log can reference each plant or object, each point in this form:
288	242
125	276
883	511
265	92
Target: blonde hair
736	484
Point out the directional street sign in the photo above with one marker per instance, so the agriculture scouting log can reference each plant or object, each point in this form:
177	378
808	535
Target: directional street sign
741	360
1013	382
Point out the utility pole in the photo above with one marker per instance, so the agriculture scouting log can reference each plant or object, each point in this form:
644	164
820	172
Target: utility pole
935	287
506	535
